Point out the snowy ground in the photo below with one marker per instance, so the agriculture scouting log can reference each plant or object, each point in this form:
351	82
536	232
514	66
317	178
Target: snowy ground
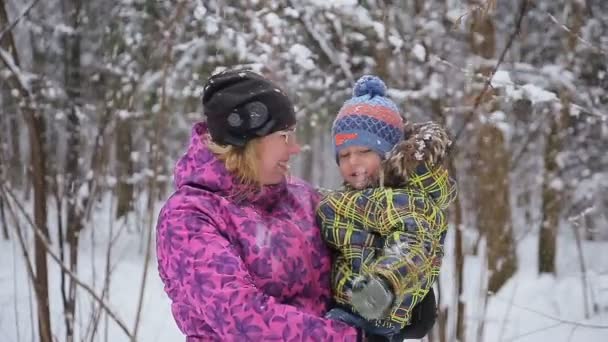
126	277
528	308
539	308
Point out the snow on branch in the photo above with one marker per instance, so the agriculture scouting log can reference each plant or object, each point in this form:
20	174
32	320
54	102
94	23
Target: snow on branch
529	89
22	78
324	45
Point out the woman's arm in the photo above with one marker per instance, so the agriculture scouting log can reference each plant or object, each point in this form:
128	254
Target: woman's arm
208	282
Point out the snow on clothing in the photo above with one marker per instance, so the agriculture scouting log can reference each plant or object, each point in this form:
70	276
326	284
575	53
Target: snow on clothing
243	265
395	234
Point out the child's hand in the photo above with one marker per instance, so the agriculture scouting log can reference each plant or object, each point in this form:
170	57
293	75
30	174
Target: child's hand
338	314
371	297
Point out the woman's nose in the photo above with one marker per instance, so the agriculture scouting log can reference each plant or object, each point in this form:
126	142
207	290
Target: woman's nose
294	148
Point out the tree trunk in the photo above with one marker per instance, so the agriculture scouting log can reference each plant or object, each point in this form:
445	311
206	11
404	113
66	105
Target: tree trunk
456	220
459	259
309	154
75	208
552	186
3	166
3	220
552	190
494	210
37	173
13	168
493	206
38	168
124	167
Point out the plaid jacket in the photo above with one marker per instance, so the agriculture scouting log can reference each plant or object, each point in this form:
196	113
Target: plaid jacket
396	234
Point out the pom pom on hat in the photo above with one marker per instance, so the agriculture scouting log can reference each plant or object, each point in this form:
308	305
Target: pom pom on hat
369	85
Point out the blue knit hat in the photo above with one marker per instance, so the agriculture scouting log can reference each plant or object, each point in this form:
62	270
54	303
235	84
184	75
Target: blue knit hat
368	119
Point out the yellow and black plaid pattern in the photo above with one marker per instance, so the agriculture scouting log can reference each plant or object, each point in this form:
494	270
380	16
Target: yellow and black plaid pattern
396	234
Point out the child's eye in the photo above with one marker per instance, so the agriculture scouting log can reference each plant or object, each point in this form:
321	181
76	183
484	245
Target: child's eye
365	151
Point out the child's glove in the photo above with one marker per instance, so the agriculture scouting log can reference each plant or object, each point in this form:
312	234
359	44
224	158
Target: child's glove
424	315
371	297
342	315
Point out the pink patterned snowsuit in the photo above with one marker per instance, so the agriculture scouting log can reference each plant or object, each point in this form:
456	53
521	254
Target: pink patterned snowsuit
243	265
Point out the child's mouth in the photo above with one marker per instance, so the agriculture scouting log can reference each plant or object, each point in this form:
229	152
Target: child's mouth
359	178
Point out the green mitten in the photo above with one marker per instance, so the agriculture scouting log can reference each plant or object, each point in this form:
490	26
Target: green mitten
371	298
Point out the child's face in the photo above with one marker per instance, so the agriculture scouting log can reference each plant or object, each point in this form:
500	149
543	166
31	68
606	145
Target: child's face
359	166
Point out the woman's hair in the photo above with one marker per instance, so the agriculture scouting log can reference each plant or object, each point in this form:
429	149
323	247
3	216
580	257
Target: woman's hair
241	161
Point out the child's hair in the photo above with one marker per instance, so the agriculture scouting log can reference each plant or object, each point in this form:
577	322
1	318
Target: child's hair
241	161
425	145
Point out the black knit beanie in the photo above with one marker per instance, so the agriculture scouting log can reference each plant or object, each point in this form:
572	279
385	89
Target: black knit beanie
241	105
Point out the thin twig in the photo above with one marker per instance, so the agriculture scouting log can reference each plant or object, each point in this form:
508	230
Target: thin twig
8	193
572	332
506	318
534	331
522	13
16	21
484	294
15	287
539	125
576	227
556	319
578	37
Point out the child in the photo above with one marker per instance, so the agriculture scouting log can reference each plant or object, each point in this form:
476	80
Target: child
388	241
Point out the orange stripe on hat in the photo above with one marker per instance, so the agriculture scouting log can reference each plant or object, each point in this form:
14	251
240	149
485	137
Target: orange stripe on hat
341	138
378	112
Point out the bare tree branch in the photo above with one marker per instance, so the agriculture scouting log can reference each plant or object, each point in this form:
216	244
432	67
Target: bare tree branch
10	26
7	193
523	9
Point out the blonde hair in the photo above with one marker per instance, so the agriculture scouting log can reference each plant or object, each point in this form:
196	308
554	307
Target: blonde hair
241	161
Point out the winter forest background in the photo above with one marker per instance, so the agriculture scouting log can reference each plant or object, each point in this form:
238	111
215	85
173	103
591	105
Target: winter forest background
97	99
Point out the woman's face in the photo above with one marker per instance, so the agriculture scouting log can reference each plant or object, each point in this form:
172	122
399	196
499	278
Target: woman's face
359	166
274	152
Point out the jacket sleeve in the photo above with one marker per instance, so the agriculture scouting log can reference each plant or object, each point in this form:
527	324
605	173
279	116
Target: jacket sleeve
411	256
342	225
211	289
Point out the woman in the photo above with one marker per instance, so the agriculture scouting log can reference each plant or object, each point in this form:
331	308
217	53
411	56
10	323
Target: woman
237	245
